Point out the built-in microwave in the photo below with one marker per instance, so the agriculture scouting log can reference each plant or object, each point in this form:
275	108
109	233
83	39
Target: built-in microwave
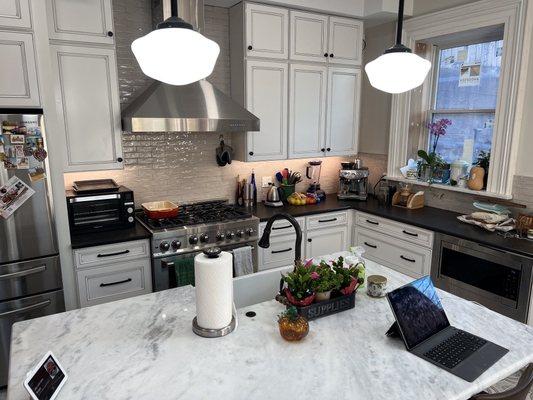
90	212
497	279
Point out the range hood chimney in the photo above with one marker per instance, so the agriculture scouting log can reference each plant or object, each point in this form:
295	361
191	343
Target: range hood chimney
197	107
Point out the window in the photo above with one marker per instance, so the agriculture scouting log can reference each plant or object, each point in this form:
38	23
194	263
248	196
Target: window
466	92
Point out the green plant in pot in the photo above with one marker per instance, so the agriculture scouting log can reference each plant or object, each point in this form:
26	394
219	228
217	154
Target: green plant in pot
433	167
299	291
483	161
350	277
324	281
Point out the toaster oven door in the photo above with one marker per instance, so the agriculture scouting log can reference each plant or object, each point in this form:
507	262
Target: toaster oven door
95	212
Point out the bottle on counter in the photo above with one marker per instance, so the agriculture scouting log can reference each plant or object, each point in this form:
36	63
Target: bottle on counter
253	189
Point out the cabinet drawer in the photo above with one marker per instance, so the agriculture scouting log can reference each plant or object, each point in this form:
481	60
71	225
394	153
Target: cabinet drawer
405	232
327	220
111	253
282	227
408	258
119	281
281	253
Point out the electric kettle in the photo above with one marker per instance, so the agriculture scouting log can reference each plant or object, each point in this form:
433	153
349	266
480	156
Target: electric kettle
273	198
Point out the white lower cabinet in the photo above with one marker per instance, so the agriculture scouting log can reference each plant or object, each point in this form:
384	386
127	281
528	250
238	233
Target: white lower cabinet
280	253
326	241
113	272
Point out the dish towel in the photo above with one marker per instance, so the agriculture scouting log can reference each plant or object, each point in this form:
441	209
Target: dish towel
243	263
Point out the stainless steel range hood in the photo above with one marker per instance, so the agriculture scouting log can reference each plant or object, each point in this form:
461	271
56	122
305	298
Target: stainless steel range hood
198	107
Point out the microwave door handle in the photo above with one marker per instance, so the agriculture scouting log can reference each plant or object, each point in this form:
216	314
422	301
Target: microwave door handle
21	310
26	272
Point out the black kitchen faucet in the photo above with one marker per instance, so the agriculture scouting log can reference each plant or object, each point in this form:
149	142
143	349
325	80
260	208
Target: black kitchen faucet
264	242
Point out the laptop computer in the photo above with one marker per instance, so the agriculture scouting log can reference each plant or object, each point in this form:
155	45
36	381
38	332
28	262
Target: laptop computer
427	333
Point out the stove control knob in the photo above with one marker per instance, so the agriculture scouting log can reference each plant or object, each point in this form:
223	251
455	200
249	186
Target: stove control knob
250	231
176	244
164	246
129	210
230	235
204	238
193	239
240	233
220	237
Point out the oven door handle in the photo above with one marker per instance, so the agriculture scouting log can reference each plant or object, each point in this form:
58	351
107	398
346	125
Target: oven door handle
31	307
172	273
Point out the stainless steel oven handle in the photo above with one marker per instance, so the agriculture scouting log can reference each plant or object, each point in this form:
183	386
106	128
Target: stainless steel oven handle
26	272
21	310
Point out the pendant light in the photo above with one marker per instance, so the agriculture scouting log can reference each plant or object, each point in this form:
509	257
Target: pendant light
175	53
398	70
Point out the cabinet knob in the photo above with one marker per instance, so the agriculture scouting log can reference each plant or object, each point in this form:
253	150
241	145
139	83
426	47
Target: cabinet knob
309	240
331	55
322	149
250	47
251	153
110	34
325	54
120	159
328	149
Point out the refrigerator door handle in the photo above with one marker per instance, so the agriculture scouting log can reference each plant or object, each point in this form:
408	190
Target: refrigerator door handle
26	272
21	310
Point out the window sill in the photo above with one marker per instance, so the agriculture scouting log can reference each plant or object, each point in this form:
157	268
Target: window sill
481	193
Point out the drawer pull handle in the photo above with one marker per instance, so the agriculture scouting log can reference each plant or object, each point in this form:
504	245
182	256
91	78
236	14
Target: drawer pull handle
407	259
372	222
20	274
21	310
281	251
327	220
410	233
119	253
371	245
281	227
115	283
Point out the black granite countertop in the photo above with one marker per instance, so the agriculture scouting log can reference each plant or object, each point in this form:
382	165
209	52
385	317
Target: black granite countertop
138	232
434	219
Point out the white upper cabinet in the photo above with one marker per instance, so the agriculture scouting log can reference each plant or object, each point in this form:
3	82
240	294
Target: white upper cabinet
267	31
89	106
15	14
345	41
18	73
342	127
88	21
266	94
309	36
307	110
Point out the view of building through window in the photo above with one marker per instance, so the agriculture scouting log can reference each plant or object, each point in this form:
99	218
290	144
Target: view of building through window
466	93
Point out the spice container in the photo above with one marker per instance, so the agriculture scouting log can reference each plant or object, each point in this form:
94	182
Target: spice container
376	286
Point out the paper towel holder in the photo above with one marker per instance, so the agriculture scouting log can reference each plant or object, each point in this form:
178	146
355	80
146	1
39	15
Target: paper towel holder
213	252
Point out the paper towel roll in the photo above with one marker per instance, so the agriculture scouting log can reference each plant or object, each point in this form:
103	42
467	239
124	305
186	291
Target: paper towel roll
214	290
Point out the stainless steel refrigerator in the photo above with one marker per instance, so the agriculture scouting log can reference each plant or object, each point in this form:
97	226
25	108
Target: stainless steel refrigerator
30	274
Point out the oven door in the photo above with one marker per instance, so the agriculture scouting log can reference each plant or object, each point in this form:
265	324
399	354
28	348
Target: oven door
178	269
497	279
95	212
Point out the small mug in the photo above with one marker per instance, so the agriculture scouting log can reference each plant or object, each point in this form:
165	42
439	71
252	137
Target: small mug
376	286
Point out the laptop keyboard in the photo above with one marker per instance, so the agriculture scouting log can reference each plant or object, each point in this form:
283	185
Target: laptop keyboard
455	349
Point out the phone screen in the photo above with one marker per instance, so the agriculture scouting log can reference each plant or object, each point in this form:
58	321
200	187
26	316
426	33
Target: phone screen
46	379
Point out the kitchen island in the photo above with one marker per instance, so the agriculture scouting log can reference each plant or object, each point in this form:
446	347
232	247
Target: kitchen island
144	348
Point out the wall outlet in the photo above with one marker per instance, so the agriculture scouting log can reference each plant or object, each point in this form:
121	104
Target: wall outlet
266	181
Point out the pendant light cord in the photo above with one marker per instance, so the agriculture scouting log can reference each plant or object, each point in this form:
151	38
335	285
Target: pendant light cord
400	23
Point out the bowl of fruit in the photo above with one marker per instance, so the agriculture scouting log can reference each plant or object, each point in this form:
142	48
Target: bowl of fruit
302	199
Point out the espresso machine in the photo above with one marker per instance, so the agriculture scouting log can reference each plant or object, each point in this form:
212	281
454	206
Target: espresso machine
353	181
312	172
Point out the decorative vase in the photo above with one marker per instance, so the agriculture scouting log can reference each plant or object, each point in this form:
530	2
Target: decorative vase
299	303
350	288
441	175
293	329
477	174
323	296
424	172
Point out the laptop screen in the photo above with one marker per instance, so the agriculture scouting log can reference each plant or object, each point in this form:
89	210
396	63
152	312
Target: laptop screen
418	311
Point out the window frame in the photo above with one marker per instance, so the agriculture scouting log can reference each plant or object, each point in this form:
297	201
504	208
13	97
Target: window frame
410	110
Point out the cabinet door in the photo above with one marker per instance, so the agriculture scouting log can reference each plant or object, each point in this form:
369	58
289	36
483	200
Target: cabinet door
342	126
81	20
18	73
345	41
90	107
281	253
15	14
266	97
308	37
326	241
267	31
307	110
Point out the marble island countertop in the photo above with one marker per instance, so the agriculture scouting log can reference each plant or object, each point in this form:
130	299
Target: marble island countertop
144	348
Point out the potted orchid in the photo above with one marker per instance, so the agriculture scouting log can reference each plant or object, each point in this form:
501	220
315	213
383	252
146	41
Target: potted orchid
433	168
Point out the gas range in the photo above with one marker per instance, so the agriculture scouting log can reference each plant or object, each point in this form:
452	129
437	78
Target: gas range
201	225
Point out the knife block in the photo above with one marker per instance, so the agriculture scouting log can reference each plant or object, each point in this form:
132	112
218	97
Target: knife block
415	201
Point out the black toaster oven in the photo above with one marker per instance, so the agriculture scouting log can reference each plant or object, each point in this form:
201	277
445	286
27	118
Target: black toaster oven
98	211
